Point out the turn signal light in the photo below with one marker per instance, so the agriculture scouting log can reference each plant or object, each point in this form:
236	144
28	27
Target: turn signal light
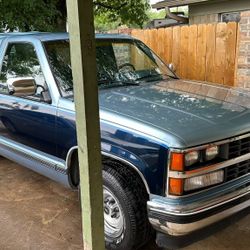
177	162
176	186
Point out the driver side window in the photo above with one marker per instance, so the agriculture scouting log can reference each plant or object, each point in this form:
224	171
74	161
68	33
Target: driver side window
21	63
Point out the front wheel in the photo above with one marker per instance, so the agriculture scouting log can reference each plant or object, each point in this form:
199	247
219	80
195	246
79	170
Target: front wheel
125	215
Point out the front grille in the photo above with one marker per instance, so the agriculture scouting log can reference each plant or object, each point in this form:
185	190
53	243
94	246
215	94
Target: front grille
236	149
239	147
237	170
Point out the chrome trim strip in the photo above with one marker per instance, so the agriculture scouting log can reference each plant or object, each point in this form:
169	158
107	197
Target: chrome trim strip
175	229
131	165
168	170
210	168
45	159
183	210
209	188
69	155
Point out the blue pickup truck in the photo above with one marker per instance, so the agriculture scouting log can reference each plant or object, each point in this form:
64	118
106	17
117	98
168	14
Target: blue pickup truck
175	153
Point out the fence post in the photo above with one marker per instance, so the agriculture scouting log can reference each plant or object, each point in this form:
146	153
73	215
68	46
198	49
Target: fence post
83	59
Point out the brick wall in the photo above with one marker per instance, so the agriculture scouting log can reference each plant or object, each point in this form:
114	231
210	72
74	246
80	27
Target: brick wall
243	65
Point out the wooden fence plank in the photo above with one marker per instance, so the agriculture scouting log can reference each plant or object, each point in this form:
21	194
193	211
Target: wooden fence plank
184	60
201	53
192	45
231	47
176	48
153	40
161	43
135	33
237	55
220	53
168	47
210	30
146	37
139	34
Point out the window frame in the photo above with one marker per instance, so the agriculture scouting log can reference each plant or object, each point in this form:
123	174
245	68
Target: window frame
45	67
221	16
33	98
47	58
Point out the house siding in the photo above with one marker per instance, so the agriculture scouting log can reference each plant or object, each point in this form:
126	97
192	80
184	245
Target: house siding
203	19
209	12
217	7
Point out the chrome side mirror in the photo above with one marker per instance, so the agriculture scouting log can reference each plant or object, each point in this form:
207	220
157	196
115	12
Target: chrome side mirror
172	67
23	86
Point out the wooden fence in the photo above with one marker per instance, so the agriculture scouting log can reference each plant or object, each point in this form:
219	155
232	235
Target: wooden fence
204	52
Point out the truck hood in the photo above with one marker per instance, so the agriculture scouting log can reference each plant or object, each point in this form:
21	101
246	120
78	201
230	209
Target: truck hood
185	113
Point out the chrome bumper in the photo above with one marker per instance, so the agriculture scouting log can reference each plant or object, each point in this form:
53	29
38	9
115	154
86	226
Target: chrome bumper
178	220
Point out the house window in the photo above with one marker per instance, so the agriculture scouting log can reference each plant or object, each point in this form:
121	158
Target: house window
230	17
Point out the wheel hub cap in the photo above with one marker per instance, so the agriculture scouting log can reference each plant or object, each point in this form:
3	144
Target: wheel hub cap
113	215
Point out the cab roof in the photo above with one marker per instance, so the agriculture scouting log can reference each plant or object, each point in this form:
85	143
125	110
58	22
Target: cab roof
46	36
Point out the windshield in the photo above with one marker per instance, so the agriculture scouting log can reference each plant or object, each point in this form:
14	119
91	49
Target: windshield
119	62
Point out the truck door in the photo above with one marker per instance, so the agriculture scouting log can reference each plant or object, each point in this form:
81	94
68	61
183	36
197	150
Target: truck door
26	116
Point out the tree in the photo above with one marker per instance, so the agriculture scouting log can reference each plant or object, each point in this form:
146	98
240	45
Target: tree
156	14
103	23
51	15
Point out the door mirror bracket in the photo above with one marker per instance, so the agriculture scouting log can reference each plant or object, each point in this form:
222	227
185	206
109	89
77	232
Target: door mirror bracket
172	67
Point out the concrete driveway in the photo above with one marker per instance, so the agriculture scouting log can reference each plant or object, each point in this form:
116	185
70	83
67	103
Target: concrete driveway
37	214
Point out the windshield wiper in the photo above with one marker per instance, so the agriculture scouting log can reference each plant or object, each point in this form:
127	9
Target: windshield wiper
112	83
154	76
69	89
171	76
148	77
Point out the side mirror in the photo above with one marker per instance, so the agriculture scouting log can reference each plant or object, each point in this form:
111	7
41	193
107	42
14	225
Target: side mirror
172	67
25	86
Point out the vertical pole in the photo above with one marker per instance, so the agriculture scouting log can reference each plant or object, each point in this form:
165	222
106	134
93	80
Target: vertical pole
83	59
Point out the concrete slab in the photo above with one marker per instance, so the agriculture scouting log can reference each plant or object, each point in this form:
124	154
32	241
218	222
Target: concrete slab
36	213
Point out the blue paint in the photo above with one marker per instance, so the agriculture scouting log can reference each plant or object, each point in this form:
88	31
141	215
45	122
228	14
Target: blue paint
28	122
146	154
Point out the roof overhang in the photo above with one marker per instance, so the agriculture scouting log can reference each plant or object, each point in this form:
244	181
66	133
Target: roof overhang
175	3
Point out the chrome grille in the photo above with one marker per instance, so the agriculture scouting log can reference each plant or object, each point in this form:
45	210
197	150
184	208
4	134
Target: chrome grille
239	147
236	149
237	170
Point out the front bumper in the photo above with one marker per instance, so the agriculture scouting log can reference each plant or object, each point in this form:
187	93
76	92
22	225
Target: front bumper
176	219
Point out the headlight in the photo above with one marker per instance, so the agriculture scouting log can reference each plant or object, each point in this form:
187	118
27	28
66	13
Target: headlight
204	180
211	153
191	158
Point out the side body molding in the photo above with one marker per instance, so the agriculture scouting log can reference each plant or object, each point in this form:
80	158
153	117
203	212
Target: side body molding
42	163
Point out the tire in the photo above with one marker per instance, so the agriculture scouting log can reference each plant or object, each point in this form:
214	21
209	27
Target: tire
74	174
125	199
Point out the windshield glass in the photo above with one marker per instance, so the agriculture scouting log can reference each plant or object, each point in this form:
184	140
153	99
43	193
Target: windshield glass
119	62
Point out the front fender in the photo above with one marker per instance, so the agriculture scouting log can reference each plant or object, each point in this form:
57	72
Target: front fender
148	158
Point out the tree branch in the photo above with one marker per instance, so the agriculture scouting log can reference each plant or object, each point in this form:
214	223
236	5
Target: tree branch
97	3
